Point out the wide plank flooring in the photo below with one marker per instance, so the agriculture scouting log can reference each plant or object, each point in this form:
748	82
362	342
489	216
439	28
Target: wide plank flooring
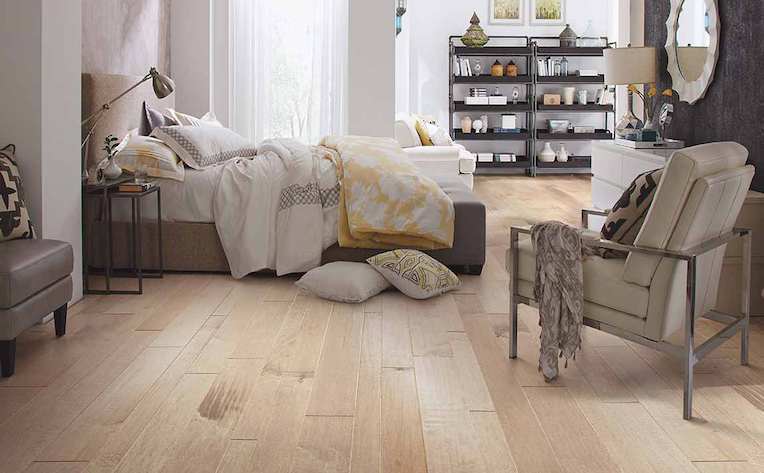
204	373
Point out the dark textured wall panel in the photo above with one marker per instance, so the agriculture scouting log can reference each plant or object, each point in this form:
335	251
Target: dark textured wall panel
733	109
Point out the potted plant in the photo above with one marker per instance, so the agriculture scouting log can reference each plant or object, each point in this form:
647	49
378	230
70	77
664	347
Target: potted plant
107	169
651	102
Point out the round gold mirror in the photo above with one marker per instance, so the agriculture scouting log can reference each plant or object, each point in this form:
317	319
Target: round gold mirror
692	47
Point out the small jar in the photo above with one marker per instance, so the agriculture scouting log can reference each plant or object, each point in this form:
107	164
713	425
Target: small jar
497	70
511	69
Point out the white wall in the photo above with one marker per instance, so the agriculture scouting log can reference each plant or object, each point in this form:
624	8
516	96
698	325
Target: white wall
431	22
42	40
190	55
371	67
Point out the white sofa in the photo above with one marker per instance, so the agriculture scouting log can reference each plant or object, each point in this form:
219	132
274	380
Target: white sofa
434	161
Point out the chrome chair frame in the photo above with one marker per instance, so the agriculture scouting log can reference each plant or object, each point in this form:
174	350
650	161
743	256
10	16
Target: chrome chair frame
689	353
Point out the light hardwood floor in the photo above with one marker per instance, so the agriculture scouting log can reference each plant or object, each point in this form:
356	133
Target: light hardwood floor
204	373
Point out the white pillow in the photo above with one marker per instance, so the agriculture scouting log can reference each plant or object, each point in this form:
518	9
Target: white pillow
344	282
439	136
183	119
203	146
159	160
414	273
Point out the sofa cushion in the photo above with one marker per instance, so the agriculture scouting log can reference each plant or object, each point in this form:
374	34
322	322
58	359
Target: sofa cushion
28	266
628	214
603	283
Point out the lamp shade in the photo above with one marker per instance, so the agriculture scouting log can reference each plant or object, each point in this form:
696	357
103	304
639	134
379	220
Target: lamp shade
163	85
624	66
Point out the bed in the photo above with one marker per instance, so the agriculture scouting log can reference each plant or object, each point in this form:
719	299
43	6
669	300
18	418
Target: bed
190	238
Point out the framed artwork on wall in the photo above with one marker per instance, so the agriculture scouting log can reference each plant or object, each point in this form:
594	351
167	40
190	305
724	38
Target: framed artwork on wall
547	12
507	12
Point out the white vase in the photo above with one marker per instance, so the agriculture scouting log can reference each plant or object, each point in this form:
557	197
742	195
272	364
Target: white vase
112	171
562	155
547	154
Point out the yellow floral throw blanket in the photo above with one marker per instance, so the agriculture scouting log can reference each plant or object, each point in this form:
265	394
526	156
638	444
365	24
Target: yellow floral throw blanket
385	201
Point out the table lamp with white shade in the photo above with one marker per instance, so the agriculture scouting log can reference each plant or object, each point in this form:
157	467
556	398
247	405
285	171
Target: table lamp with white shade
629	66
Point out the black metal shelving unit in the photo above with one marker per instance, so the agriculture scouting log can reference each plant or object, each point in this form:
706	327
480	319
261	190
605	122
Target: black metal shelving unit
532	108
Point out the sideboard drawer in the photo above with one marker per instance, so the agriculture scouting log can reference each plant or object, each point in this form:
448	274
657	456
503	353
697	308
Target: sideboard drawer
607	165
633	167
604	194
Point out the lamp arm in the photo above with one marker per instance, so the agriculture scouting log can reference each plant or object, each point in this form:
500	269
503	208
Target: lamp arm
108	105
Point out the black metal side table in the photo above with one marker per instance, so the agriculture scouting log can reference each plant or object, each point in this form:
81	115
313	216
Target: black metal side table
108	192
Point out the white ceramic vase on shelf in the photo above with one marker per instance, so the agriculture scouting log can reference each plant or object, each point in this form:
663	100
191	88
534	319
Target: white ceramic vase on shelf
547	154
562	155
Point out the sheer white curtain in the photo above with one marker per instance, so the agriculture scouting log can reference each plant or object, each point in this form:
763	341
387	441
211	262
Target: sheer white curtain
289	68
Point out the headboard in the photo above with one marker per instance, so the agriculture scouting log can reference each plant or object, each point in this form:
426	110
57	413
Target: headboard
97	89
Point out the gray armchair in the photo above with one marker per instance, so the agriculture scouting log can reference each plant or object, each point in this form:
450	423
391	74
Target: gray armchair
672	273
35	280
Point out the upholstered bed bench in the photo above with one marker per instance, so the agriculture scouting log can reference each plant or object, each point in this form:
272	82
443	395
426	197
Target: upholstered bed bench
197	247
468	252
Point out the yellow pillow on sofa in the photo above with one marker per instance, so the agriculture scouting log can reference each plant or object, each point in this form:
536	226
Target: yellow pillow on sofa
160	161
420	123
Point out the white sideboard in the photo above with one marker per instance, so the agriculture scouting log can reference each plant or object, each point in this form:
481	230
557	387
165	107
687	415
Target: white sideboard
615	167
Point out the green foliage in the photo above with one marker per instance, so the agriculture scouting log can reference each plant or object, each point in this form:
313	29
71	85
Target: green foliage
110	143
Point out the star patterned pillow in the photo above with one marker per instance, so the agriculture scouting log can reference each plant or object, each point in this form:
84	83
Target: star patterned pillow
14	217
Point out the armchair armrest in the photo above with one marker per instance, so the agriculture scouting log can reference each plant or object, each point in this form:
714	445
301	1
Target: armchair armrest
585	213
687	255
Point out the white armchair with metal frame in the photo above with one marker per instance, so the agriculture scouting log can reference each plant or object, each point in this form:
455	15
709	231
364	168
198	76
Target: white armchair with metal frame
671	275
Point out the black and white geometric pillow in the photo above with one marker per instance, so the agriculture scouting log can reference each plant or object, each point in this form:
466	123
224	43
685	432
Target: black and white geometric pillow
628	214
14	217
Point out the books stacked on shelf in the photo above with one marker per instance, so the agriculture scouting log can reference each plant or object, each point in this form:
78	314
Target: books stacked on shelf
605	96
477	96
484	157
462	67
552	67
136	187
507	130
505	157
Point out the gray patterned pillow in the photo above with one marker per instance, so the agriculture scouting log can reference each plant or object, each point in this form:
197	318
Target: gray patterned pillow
14	217
203	146
151	119
628	214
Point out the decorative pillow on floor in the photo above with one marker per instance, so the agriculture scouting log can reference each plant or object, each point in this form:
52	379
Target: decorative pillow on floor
628	214
14	217
414	273
203	146
344	282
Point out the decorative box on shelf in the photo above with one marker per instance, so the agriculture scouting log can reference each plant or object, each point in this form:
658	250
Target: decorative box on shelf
497	100
476	101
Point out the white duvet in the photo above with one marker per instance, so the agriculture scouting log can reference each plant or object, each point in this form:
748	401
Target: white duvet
278	210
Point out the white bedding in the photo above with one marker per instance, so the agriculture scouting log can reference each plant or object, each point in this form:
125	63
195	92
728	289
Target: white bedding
243	196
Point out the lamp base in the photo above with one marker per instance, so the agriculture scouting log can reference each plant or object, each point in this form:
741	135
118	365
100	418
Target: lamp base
628	123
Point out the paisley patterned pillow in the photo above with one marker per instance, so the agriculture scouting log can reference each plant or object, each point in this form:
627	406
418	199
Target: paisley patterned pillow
14	217
414	273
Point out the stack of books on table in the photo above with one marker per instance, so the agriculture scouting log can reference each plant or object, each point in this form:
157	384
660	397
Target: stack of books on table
136	187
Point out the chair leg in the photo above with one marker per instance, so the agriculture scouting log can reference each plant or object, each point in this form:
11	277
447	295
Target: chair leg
60	318
745	334
8	357
689	339
512	327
